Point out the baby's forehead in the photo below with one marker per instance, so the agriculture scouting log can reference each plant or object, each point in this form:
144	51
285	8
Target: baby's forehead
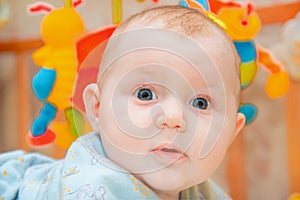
161	40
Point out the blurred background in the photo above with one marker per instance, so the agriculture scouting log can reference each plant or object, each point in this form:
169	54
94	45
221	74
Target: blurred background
264	161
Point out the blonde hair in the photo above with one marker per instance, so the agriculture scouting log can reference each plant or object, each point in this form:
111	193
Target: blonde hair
190	22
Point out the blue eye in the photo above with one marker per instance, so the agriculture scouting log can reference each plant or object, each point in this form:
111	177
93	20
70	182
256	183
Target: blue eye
200	103
145	95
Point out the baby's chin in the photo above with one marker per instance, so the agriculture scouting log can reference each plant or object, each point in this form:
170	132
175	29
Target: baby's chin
162	182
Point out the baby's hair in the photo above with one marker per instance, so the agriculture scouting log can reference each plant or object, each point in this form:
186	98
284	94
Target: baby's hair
190	22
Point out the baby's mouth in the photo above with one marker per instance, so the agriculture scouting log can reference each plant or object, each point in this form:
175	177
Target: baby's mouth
168	152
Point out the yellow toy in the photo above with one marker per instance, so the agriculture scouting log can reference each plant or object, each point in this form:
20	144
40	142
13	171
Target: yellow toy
242	25
54	82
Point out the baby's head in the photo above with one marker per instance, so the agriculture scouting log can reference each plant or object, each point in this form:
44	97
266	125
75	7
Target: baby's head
166	103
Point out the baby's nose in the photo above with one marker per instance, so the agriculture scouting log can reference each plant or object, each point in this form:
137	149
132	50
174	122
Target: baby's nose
172	116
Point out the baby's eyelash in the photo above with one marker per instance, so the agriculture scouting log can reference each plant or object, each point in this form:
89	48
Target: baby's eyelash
205	96
143	86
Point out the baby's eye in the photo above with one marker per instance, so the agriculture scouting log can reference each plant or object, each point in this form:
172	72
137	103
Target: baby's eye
200	103
145	94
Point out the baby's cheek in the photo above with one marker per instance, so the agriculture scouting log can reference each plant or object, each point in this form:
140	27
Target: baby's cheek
121	146
139	117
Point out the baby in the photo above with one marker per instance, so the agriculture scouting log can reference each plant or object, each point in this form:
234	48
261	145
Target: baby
164	111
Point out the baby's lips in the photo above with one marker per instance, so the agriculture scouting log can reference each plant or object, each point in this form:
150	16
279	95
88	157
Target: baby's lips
167	151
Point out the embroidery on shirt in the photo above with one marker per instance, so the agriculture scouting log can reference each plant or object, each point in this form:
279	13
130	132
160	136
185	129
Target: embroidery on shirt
70	172
87	192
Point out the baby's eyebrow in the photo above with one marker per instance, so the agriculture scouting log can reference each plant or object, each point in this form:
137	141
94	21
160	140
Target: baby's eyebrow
147	71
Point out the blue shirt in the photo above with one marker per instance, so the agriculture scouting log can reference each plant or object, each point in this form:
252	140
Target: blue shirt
84	174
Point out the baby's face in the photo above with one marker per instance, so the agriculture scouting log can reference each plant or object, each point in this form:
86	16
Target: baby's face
168	115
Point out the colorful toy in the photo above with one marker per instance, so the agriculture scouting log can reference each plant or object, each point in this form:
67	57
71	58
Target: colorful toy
242	25
90	49
203	7
53	84
196	4
288	49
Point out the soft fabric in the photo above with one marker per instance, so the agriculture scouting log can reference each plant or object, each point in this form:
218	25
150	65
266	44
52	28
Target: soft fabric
84	174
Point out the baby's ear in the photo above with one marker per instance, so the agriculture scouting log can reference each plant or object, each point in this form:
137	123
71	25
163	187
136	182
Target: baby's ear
91	98
240	122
